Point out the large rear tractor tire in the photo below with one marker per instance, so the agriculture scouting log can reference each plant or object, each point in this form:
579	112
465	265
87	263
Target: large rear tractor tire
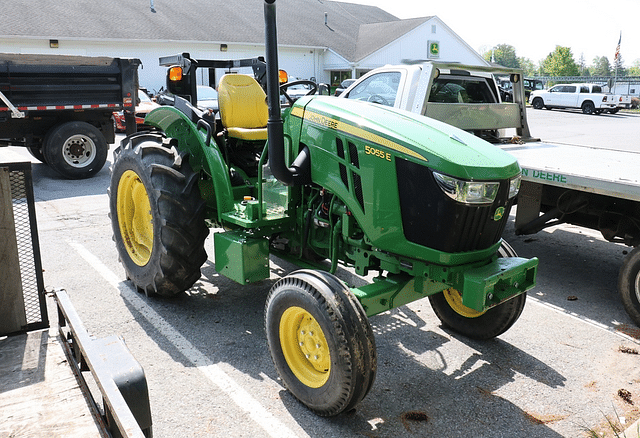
629	284
320	341
157	215
493	322
75	150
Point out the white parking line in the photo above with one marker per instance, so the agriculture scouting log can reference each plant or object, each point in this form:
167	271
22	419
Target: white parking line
582	319
212	371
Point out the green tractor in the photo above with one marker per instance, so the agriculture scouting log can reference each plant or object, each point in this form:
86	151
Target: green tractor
323	182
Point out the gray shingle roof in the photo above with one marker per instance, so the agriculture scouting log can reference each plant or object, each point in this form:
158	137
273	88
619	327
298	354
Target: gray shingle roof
352	30
373	36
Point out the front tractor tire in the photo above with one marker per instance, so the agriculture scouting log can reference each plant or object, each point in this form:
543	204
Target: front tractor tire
320	340
157	215
485	325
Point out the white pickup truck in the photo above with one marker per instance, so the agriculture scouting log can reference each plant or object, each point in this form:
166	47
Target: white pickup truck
556	187
622	101
590	98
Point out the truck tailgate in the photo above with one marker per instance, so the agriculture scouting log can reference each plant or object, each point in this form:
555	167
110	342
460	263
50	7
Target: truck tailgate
603	171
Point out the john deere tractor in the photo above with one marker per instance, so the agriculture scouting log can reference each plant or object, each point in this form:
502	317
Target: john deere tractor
327	183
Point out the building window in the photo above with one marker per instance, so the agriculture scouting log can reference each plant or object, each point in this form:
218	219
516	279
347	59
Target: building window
433	28
337	77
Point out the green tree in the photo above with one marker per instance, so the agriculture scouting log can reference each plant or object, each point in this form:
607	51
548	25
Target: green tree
634	70
503	54
560	62
601	66
619	68
582	65
528	66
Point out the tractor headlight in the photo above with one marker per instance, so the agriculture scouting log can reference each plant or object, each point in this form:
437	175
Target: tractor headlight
468	192
514	186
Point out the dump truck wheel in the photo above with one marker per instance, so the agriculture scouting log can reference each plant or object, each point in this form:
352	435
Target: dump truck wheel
453	314
629	284
36	152
157	215
320	341
75	150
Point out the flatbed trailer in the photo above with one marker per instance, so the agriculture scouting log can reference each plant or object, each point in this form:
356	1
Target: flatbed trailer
47	377
589	187
55	379
601	171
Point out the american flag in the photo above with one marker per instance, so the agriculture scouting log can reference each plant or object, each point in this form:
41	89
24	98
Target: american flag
615	58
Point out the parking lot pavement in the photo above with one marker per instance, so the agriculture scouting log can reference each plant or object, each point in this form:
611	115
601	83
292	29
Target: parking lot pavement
557	372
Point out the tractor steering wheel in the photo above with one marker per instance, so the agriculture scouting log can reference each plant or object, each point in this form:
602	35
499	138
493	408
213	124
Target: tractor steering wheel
283	88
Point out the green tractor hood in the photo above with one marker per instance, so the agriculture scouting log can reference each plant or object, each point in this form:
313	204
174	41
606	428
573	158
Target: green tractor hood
440	146
382	163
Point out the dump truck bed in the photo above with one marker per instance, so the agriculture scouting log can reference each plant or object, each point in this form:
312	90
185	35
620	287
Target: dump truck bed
52	82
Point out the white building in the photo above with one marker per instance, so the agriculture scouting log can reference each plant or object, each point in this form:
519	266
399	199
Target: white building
325	40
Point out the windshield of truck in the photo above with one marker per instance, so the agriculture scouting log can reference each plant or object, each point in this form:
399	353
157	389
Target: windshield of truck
379	88
456	89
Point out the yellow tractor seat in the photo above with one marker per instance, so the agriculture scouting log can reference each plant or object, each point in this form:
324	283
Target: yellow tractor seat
243	107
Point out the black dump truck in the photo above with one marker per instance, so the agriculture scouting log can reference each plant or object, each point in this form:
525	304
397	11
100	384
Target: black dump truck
61	107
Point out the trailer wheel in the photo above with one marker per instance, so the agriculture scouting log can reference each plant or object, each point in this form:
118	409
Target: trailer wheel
320	341
493	322
537	103
75	150
157	215
629	284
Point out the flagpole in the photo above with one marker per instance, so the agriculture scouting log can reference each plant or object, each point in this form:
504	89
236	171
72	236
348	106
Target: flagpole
615	61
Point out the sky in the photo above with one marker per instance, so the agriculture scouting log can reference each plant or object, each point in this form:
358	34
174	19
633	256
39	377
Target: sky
588	27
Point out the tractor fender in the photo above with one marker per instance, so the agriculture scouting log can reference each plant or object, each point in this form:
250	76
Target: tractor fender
192	138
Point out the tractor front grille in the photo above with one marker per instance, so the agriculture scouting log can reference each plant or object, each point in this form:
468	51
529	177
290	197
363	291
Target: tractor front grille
430	218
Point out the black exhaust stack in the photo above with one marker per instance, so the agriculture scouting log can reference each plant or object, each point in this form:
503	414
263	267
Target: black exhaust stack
300	170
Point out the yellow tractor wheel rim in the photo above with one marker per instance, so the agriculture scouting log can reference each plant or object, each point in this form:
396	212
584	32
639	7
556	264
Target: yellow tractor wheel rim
454	298
134	218
304	347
